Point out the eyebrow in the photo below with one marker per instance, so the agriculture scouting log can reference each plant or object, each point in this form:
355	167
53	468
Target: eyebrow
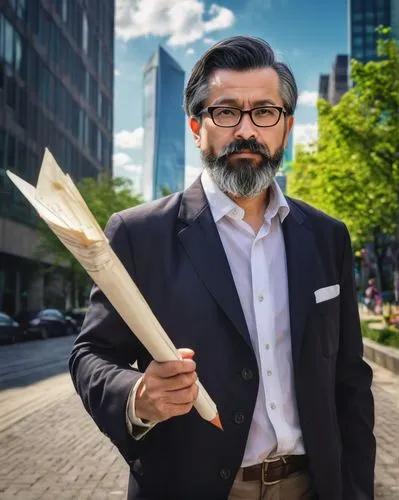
233	102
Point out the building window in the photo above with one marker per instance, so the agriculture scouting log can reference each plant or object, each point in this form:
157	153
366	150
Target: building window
11	47
99	146
8	42
87	85
20	8
85	29
64	10
11	91
2	146
358	54
93	93
358	42
10	151
22	108
2	36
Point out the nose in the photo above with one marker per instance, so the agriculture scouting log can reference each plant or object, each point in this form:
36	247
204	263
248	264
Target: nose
246	129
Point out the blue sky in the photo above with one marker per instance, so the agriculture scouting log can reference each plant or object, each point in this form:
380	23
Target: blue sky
306	34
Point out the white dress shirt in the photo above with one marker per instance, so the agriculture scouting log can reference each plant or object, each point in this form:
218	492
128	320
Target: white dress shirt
258	265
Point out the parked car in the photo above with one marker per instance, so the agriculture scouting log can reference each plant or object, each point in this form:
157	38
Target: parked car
10	330
78	314
50	323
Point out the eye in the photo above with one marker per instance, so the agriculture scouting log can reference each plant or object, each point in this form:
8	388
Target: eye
265	111
225	112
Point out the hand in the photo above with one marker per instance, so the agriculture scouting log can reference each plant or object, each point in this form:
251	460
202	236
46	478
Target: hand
167	389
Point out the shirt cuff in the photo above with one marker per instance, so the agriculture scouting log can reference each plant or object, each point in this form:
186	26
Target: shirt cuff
136	427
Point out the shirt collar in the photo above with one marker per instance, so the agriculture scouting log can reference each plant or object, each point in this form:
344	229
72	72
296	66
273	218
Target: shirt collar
221	205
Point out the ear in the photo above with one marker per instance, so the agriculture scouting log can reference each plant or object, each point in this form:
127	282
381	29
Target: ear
290	124
195	127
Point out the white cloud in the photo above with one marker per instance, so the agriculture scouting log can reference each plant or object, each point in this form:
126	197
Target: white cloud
209	41
132	168
120	159
190	52
182	21
117	72
305	133
190	174
307	98
130	140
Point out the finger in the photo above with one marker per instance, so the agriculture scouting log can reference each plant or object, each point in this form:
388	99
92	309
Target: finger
179	382
181	397
186	353
159	386
172	368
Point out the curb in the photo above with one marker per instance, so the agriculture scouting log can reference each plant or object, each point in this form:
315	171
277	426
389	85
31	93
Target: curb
387	357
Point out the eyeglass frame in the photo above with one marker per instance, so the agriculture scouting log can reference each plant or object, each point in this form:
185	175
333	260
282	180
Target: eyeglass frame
210	111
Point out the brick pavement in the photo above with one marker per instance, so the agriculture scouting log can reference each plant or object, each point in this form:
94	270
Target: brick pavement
58	453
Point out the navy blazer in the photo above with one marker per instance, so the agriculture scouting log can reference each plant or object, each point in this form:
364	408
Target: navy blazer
172	250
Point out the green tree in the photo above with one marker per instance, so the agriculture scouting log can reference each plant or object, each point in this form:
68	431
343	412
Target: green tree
353	171
103	197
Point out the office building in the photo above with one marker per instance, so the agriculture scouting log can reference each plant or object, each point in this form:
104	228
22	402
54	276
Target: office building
323	86
333	86
338	79
364	16
56	91
164	126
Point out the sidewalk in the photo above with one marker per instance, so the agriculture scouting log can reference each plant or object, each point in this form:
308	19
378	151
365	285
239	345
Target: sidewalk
58	453
384	356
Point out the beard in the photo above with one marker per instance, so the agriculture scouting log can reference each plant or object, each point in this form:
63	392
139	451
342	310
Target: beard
243	177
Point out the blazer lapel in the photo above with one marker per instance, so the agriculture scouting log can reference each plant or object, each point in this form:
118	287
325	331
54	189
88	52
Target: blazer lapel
302	262
200	238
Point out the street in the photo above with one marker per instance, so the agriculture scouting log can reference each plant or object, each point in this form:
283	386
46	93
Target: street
51	449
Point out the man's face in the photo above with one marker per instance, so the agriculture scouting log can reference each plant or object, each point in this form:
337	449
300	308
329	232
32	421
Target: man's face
244	159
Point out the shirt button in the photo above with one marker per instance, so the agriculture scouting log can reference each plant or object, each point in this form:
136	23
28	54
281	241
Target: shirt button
269	373
273	406
267	346
260	297
239	417
246	374
225	473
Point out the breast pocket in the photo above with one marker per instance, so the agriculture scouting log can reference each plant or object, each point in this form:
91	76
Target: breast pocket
326	321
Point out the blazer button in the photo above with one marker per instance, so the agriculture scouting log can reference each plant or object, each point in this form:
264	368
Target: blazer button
225	473
239	417
247	374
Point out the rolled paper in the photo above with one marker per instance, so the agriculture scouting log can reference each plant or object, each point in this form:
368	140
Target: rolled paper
61	206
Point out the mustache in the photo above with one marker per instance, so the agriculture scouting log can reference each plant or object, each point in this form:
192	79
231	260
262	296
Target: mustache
241	145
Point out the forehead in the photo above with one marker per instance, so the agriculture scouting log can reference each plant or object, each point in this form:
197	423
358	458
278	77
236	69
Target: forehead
244	86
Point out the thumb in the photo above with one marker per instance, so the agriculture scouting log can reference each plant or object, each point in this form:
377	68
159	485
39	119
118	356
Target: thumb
186	353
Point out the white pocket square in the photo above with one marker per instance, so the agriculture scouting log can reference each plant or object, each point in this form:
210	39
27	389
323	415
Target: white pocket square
326	293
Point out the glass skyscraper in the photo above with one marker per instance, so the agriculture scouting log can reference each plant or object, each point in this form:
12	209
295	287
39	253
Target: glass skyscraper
56	91
164	126
364	17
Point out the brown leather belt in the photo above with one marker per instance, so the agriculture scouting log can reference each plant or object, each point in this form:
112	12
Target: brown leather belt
273	470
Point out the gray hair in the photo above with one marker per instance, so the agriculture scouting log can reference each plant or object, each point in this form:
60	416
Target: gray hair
239	53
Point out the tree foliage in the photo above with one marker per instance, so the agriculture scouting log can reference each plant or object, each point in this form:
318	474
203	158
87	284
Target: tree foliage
353	172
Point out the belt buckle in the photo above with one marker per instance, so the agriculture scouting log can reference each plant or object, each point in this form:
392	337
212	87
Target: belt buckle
265	467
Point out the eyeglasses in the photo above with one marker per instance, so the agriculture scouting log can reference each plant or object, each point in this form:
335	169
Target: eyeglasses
265	116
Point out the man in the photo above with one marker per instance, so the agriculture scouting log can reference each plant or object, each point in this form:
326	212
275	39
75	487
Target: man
260	288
